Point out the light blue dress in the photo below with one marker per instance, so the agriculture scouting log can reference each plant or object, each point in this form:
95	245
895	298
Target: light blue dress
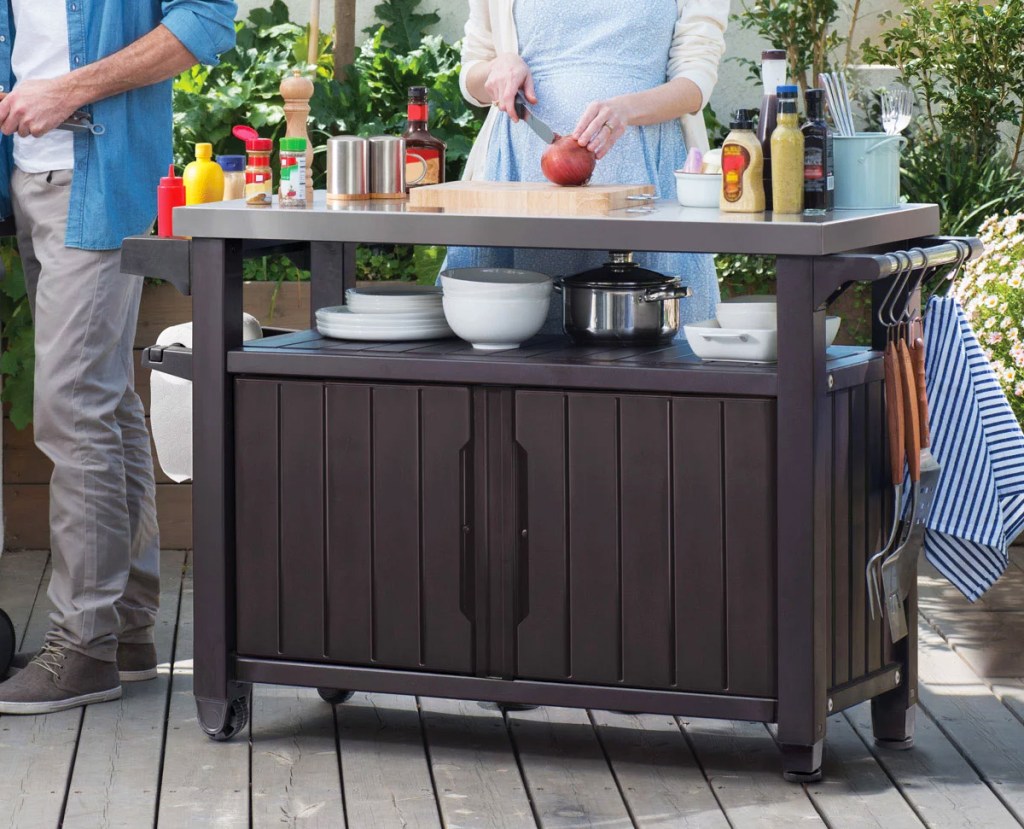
581	51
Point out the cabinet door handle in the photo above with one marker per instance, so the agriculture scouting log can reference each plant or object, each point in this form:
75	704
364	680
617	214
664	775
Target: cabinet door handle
467	569
522	524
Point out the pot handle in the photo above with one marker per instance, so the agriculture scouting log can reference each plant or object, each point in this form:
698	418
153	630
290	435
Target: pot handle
556	284
884	141
665	294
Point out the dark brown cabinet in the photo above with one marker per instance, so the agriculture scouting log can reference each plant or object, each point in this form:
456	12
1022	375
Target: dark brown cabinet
353	524
647	541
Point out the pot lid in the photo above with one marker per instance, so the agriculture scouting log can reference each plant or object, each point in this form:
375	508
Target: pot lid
620	271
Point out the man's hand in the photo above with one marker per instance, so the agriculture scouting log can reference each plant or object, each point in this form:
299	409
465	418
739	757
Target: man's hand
36	107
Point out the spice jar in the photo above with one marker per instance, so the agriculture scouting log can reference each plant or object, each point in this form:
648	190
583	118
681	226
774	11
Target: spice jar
292	191
259	178
234	176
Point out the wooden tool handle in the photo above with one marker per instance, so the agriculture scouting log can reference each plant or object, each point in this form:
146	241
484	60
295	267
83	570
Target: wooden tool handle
911	423
917	355
894	415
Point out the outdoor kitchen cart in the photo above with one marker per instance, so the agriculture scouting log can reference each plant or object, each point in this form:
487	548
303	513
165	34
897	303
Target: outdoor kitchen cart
616	528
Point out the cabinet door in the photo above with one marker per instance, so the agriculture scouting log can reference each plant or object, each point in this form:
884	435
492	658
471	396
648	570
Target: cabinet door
353	524
647	552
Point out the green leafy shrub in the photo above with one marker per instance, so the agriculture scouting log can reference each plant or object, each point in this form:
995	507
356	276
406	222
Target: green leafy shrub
18	360
992	293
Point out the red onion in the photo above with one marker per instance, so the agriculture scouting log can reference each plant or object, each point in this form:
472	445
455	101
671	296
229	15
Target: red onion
565	162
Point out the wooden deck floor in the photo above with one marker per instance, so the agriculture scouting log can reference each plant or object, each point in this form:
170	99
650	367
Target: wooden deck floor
389	761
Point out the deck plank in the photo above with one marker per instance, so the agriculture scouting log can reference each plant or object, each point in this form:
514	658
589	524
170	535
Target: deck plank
1011	692
935	778
936	593
567	774
36	753
384	768
742	764
974	719
475	770
855	792
989	642
21	582
204	783
659	776
117	769
295	773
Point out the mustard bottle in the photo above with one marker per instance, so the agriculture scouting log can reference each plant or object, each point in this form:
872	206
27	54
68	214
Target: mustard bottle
204	179
742	167
787	156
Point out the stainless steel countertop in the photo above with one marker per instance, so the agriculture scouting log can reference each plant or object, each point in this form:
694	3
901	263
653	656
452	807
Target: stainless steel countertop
668	228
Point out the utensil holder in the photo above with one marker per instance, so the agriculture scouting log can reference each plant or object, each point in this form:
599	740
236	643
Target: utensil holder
867	170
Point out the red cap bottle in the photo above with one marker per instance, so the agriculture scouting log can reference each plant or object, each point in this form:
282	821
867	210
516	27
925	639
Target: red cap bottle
170	194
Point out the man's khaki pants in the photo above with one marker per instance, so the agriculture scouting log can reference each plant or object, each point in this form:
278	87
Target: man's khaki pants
90	422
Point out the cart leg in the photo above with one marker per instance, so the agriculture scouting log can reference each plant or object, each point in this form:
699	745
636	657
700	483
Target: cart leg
804	444
802	764
222	703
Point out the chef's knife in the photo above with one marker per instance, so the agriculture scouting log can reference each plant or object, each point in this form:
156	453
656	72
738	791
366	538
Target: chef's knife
542	130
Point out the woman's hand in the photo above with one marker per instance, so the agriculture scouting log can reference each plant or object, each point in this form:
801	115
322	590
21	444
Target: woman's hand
506	75
603	123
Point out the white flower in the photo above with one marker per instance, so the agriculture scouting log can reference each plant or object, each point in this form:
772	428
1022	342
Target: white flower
991	301
995	338
990	322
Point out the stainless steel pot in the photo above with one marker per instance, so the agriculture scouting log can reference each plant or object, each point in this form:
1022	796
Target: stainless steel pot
621	303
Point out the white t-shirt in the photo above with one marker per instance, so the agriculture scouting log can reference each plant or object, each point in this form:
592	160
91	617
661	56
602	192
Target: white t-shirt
40	52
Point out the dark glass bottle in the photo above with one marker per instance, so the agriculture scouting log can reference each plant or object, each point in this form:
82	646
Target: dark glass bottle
420	144
819	164
773	75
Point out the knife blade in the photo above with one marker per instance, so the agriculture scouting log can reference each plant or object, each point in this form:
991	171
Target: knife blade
542	130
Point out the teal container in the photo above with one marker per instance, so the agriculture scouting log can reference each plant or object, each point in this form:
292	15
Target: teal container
867	169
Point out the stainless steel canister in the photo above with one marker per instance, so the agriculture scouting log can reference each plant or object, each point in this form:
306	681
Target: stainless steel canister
387	167
348	168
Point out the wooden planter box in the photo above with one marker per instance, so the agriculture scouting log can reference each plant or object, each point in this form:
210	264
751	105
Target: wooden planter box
26	471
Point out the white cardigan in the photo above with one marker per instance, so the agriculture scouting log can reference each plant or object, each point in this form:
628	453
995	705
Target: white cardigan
697	46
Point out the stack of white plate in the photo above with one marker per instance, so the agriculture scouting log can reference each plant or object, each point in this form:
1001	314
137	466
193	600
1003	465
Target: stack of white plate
386	315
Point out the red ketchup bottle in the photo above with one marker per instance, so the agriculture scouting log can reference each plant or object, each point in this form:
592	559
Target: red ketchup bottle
170	194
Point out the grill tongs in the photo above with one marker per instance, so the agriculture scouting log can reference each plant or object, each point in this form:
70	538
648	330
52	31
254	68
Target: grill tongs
80	121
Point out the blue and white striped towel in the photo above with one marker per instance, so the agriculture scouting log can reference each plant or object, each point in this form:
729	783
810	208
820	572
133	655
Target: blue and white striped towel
979	502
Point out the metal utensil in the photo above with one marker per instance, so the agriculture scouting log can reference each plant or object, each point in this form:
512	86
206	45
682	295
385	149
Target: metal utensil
894	414
838	96
81	121
897	107
543	131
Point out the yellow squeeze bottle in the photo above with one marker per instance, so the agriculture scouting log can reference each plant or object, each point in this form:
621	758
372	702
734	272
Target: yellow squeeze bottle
204	178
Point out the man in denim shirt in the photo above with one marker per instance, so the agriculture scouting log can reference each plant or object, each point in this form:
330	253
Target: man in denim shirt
74	197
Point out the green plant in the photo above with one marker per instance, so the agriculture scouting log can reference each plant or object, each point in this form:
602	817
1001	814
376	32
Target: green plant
968	187
404	26
992	293
18	360
965	62
804	28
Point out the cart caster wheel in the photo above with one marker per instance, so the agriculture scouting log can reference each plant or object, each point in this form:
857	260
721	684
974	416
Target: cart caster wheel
334	696
232	718
896	745
802	777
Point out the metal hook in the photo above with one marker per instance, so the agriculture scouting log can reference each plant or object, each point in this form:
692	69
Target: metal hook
884	312
899	285
965	255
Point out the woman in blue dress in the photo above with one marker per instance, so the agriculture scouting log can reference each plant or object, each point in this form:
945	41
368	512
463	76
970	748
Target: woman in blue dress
626	78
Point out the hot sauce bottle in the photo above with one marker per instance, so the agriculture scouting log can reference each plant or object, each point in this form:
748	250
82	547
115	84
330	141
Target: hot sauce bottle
742	167
819	175
419	143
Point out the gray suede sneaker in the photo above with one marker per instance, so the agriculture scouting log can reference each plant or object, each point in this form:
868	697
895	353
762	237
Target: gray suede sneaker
59	678
136	662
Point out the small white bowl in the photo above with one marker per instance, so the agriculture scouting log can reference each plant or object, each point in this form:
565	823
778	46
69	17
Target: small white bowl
496	282
759	311
495	324
698	189
712	341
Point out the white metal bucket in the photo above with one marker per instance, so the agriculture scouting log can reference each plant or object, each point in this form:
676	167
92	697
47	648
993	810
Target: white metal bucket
867	169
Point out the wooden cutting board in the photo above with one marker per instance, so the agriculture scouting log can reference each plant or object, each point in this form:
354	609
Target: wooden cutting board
530	198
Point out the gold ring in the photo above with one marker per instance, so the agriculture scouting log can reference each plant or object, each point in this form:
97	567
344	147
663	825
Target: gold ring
607	126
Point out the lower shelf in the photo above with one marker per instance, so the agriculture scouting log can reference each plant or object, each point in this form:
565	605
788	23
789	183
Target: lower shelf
543	362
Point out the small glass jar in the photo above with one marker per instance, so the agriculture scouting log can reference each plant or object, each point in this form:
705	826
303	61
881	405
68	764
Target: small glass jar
292	191
259	178
234	176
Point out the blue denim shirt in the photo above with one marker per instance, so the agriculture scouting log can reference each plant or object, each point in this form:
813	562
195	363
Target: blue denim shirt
113	193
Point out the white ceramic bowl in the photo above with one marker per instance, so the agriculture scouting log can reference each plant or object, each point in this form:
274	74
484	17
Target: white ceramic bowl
496	282
493	324
698	189
758	311
712	341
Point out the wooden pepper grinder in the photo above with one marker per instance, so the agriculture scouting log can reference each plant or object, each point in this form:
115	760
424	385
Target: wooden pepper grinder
297	91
